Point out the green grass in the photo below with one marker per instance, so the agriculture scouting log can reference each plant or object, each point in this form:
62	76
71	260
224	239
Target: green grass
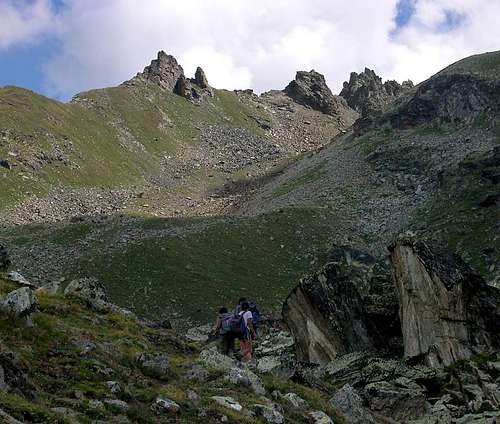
190	266
114	137
485	65
61	376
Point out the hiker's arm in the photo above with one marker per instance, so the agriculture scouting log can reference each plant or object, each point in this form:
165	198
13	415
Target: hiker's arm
218	324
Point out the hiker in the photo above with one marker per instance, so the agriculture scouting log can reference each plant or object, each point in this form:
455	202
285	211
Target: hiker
224	331
253	309
248	333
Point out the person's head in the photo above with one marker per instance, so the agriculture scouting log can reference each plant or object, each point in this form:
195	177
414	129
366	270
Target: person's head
223	310
241	301
245	306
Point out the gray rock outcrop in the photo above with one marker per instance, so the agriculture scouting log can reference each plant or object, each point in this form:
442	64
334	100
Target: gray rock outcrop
328	316
448	312
20	304
4	258
442	99
366	93
154	365
88	289
310	89
163	71
350	404
168	74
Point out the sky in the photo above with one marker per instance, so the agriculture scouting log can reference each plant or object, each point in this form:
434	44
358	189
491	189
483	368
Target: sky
61	47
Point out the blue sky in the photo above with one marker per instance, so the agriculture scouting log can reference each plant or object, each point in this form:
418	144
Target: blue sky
59	47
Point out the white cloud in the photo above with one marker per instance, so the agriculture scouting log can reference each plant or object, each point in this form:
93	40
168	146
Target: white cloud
259	43
23	22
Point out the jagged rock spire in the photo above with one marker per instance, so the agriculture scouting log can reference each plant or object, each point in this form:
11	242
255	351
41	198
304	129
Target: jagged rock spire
200	79
366	93
166	72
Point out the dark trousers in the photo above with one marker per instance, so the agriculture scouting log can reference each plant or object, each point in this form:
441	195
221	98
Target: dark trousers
227	343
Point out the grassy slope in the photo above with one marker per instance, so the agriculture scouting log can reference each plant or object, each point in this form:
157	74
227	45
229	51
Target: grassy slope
486	65
187	266
63	377
119	134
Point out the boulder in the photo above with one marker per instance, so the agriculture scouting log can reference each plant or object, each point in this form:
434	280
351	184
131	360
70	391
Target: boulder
90	290
227	402
401	400
212	359
448	312
8	419
18	278
319	417
4	258
245	377
349	403
197	373
328	316
163	404
20	303
295	401
12	377
200	333
366	93
154	365
269	413
310	89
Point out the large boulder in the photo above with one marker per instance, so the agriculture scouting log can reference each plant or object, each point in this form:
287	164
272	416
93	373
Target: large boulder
4	258
350	405
400	400
366	93
310	89
328	316
448	312
154	365
88	289
20	303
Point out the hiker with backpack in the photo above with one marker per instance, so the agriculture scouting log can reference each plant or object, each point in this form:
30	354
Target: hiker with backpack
224	331
253	309
248	332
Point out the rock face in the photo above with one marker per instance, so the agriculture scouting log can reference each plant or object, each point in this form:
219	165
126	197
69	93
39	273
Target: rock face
327	315
366	93
4	258
163	71
451	98
310	89
200	79
166	72
448	312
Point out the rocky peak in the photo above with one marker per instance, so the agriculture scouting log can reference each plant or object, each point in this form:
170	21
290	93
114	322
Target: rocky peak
166	72
200	79
366	93
310	89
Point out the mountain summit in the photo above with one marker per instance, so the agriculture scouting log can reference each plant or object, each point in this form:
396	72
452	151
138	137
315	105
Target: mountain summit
168	74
